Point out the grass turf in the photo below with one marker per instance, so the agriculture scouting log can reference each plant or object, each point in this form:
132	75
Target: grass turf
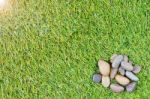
50	48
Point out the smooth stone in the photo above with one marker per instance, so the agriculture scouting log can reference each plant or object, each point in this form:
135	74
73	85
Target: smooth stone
127	66
113	57
131	87
125	58
121	71
122	80
97	78
116	62
116	88
113	73
136	69
104	67
105	81
131	76
131	62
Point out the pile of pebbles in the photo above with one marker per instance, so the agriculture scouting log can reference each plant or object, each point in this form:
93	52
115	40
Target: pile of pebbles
121	70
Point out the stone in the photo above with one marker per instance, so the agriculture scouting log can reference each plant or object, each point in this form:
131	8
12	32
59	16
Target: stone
121	71
127	66
116	62
122	80
113	57
131	76
125	58
131	87
105	81
97	78
113	73
116	88
136	69
104	67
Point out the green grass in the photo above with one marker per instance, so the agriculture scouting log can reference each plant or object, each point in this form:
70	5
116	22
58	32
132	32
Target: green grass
49	48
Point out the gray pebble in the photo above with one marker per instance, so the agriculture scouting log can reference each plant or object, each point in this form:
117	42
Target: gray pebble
131	87
116	88
116	62
131	76
136	69
127	66
113	57
125	58
113	73
121	71
97	78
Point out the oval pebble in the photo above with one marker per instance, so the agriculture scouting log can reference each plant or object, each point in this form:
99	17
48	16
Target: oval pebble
104	67
122	80
113	57
105	81
113	73
131	87
97	78
127	66
136	69
125	58
116	62
131	76
116	88
121	71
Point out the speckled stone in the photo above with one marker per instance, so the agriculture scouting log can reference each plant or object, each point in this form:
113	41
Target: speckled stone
127	66
131	76
113	73
131	87
136	69
121	71
113	57
116	88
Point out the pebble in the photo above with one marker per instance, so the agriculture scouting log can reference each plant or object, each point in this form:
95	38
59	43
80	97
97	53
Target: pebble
116	88
113	57
127	66
122	80
136	69
125	58
131	76
116	62
131	87
105	81
113	73
97	78
104	67
121	71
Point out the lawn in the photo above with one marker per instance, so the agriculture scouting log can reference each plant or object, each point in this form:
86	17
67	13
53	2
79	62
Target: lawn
49	49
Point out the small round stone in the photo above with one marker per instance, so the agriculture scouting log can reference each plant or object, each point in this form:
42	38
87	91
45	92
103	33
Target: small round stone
136	69
97	78
131	76
122	80
131	87
113	73
116	88
127	66
105	81
116	62
104	67
113	57
121	71
125	58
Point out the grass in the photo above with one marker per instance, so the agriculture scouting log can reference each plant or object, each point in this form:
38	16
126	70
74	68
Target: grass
50	48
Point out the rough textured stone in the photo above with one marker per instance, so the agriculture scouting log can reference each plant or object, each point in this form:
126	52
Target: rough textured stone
122	80
104	67
116	88
127	66
136	69
131	76
131	87
97	78
121	71
113	73
105	81
116	62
